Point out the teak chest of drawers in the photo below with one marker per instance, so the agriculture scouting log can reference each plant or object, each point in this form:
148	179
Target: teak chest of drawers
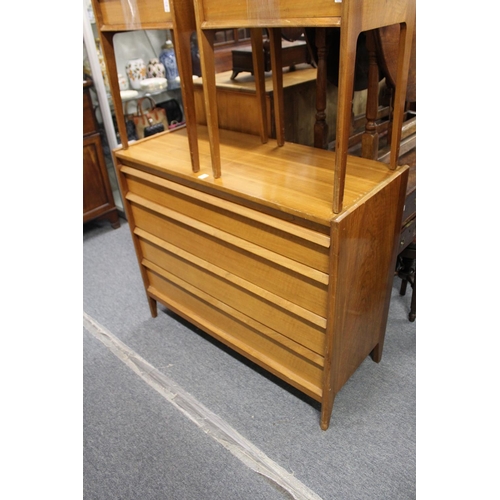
288	257
257	259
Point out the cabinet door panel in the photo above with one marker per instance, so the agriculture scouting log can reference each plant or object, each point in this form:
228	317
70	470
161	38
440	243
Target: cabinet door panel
97	193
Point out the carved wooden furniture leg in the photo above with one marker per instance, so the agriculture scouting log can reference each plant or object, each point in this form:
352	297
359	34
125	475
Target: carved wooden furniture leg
277	76
408	274
370	139
405	43
260	85
320	126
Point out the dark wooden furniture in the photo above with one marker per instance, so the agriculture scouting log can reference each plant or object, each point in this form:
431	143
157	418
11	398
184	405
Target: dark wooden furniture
407	257
98	201
383	46
292	53
237	110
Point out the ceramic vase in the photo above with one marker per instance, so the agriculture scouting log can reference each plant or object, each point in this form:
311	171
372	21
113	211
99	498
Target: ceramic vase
155	69
122	82
136	72
167	57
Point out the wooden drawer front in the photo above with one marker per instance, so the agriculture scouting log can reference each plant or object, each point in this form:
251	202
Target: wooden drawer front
410	206
285	238
282	316
408	233
242	333
294	282
136	15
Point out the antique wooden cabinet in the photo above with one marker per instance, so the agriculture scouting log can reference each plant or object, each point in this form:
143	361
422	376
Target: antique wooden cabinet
98	201
266	256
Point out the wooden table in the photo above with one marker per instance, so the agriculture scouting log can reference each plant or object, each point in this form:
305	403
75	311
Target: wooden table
237	104
293	53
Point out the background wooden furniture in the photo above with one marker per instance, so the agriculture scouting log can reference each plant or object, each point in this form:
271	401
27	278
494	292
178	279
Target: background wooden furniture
98	201
256	257
370	135
382	47
292	53
236	108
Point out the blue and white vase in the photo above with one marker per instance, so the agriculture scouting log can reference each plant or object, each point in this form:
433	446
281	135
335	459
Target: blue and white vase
167	57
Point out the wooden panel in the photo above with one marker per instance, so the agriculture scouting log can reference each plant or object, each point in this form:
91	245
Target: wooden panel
282	237
89	121
274	312
367	240
122	15
272	276
235	111
97	193
272	13
410	207
408	233
235	330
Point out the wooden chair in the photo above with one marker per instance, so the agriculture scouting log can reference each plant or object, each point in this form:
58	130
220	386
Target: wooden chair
352	16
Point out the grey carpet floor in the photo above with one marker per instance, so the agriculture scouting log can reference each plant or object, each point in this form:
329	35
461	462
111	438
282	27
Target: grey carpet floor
138	446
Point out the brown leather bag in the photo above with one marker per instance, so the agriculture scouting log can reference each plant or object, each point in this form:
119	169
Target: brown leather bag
149	121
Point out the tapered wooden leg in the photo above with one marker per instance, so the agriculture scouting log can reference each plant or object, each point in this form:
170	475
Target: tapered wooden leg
326	411
153	307
404	54
260	85
184	25
207	59
376	354
348	39
277	75
109	57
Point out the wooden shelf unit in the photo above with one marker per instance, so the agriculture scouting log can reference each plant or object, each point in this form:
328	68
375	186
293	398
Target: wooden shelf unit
256	257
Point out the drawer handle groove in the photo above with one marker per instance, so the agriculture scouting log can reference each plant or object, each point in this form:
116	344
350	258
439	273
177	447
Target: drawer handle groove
236	280
287	227
269	255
